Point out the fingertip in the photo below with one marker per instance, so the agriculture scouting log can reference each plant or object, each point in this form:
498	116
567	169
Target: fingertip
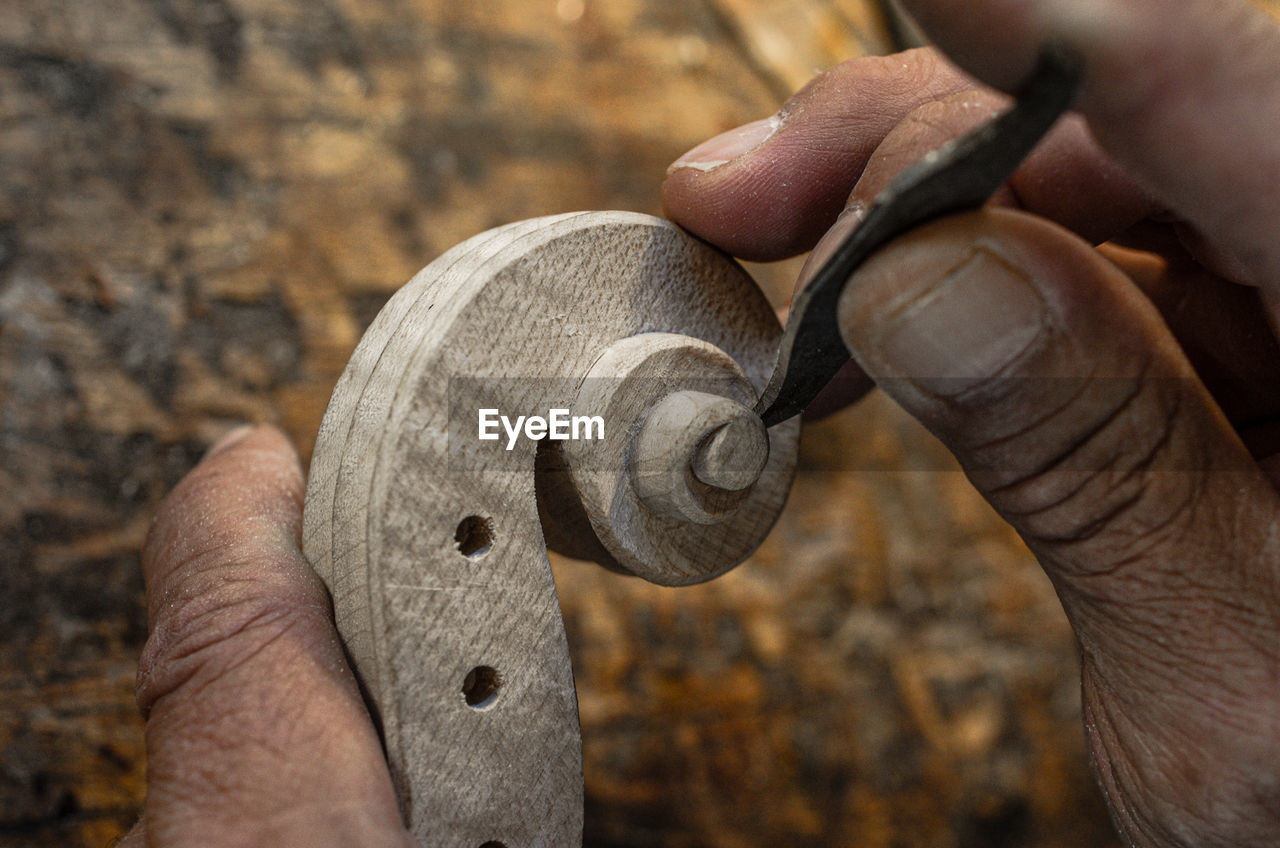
753	208
769	189
741	194
251	476
1044	368
728	146
261	437
256	456
947	308
228	439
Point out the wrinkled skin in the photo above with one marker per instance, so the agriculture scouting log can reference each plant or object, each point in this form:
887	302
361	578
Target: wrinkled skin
1097	350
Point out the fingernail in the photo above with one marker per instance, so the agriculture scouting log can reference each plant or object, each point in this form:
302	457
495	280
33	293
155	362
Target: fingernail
232	437
728	146
981	317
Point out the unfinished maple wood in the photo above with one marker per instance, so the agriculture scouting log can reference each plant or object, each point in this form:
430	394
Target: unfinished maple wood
720	442
432	542
672	398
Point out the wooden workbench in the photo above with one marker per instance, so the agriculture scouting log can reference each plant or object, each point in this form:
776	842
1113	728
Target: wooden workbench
202	205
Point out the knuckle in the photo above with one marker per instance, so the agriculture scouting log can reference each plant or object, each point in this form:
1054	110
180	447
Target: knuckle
206	632
925	128
882	85
217	599
1119	480
913	70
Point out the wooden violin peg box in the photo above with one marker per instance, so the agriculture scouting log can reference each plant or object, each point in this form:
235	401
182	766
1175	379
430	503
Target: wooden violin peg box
582	382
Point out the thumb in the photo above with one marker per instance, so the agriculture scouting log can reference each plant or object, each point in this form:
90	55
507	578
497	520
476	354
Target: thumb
1074	412
256	733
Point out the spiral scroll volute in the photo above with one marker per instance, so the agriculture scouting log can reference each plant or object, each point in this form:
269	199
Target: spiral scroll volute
687	481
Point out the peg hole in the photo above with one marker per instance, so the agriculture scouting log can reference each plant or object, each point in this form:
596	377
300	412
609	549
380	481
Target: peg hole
492	843
474	536
480	688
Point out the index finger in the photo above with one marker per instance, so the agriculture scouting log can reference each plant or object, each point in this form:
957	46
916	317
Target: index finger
778	197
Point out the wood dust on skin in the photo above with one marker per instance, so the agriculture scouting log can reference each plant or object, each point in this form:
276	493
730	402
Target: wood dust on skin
203	204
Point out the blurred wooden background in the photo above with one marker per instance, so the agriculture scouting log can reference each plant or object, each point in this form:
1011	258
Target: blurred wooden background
202	205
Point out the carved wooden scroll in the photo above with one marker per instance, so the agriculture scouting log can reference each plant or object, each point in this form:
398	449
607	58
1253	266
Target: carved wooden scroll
432	540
